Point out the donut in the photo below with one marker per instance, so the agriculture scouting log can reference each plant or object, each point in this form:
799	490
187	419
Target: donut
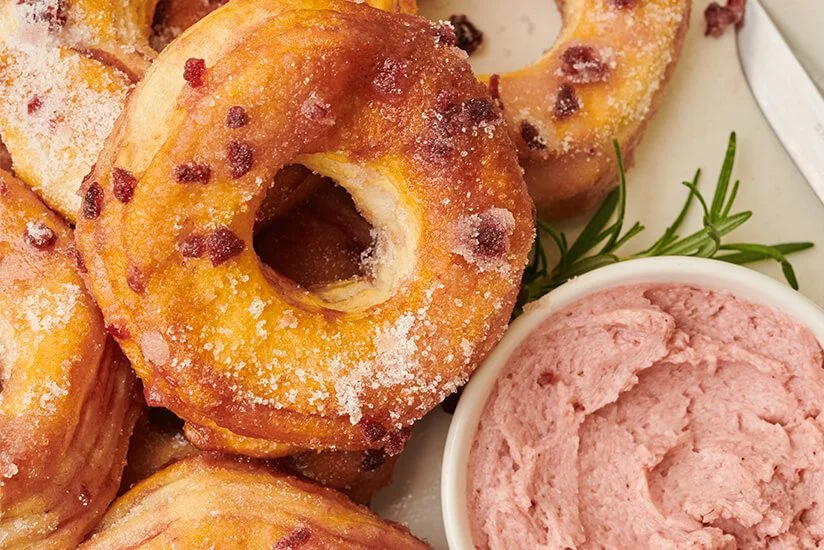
66	67
208	502
67	394
65	70
601	80
254	363
158	442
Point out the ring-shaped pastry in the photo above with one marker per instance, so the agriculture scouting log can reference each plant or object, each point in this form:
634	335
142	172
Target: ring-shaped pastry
67	394
253	363
208	502
602	79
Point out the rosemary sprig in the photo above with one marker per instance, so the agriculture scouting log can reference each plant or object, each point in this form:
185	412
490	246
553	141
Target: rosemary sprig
718	221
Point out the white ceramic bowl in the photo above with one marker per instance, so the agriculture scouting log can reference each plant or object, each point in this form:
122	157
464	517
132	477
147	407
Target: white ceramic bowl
742	282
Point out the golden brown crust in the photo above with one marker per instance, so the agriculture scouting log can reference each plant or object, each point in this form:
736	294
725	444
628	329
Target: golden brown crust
602	80
232	346
67	395
207	502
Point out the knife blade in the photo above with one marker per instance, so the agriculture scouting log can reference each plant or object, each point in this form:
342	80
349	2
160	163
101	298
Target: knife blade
785	93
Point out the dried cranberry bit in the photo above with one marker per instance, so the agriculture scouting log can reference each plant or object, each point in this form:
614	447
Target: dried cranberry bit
545	379
373	431
118	331
479	110
566	102
622	4
492	239
468	37
193	246
532	136
445	34
372	459
93	201
390	76
135	279
447	102
397	441
236	117
240	157
719	17
123	185
583	65
223	245
34	105
39	235
192	172
78	259
53	14
293	540
495	90
194	72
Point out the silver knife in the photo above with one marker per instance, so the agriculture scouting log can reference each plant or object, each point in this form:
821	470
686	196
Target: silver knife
785	93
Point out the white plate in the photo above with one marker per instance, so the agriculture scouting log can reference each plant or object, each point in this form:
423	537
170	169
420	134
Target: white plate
708	98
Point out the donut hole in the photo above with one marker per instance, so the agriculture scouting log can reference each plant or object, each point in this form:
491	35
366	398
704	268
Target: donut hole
319	237
346	233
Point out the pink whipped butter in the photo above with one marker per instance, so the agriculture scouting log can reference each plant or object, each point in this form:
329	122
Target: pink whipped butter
655	417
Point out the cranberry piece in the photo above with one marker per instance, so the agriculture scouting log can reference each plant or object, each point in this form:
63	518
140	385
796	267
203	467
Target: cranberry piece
78	259
492	238
236	117
623	4
293	540
372	459
194	72
445	34
373	431
479	110
193	246
223	245
532	136
397	441
118	331
582	64
39	235
192	172
123	186
53	14
447	102
566	102
546	379
719	17
34	105
468	37
135	279
93	201
240	157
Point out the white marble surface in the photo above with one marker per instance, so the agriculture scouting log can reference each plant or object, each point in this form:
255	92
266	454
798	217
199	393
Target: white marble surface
708	98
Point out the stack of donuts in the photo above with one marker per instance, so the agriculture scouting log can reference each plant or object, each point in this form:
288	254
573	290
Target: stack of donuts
246	245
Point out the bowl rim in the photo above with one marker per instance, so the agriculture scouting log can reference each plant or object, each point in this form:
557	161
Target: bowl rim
742	282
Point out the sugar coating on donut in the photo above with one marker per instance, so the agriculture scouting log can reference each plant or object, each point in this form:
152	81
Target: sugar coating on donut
50	106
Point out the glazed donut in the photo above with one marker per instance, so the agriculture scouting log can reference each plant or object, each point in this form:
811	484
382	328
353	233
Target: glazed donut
67	395
207	502
255	364
601	80
65	70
